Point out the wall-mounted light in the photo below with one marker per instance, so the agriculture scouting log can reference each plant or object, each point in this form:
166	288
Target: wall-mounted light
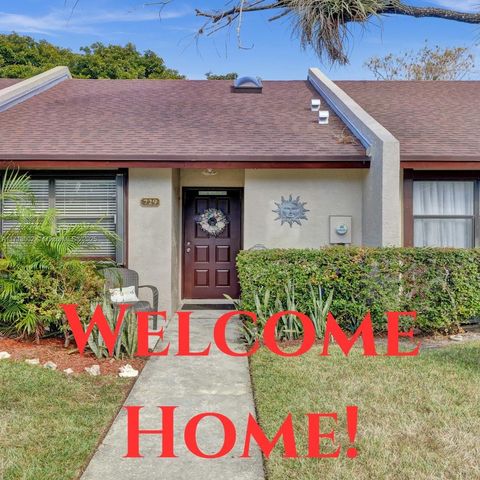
209	172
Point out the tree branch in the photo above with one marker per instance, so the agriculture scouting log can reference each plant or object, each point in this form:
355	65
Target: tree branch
431	12
323	25
393	7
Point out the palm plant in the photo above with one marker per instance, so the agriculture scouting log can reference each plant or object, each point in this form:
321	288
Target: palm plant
37	241
39	270
15	187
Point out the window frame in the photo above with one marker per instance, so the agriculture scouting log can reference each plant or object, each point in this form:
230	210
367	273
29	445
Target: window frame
121	177
411	176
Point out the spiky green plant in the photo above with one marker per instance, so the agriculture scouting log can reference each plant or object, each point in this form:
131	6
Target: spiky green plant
289	326
320	309
126	344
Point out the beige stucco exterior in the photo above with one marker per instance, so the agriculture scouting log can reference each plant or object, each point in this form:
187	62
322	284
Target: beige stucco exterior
381	190
155	234
223	178
327	192
152	236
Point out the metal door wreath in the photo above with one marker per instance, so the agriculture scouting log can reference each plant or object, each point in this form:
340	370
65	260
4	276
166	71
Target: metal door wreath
213	221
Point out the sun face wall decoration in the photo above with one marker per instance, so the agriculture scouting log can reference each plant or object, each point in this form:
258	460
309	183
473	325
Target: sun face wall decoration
291	211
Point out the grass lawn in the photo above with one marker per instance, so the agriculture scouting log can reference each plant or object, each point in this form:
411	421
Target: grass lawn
419	418
51	423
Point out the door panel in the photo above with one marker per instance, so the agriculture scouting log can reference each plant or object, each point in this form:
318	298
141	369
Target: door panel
209	269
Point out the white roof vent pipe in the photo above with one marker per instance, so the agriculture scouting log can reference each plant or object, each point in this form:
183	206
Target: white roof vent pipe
323	117
315	105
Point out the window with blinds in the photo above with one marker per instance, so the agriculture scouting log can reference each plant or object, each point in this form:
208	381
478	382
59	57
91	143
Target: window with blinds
40	190
93	201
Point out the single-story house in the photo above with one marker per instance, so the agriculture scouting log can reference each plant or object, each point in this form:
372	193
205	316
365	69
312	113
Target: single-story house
189	172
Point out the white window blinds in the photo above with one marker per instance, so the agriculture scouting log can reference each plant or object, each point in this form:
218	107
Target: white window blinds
92	202
40	190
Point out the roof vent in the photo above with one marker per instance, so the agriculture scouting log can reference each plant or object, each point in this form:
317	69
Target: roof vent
315	105
323	116
248	84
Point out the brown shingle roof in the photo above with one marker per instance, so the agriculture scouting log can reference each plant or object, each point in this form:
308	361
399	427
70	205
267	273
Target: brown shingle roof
172	119
433	120
7	82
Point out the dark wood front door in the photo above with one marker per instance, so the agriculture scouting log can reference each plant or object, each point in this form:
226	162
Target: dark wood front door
209	269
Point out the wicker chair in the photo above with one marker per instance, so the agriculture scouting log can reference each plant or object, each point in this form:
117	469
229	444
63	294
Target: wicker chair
123	277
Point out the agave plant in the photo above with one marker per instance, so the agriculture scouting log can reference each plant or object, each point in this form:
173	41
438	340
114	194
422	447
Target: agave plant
289	326
126	344
319	310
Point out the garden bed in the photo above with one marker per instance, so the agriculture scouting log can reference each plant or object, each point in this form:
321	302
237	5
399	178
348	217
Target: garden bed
54	351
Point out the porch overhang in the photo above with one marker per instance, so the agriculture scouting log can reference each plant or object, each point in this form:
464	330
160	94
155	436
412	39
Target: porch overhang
183	161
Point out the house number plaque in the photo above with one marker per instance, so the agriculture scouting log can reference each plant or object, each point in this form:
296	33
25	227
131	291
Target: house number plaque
150	202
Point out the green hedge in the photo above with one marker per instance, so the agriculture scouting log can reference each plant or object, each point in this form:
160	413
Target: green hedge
442	285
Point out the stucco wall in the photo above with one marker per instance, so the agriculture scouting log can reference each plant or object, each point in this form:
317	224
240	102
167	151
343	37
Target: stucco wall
381	191
327	192
223	178
176	239
151	245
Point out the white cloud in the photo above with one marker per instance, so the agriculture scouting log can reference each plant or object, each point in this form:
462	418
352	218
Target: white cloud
58	21
463	5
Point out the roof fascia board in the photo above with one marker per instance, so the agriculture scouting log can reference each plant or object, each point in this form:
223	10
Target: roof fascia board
21	91
368	130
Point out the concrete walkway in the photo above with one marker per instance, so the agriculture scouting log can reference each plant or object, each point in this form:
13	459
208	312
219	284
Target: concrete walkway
217	383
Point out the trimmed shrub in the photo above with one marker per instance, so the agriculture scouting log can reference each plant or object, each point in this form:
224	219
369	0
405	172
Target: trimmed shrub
441	285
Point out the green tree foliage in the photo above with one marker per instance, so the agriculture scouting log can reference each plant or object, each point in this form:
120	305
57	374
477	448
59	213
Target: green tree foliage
115	61
428	63
22	56
226	76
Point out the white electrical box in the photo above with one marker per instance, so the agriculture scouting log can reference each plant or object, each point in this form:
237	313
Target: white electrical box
340	229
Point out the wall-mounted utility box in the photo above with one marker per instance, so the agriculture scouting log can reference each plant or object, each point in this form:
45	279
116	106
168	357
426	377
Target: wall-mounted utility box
340	229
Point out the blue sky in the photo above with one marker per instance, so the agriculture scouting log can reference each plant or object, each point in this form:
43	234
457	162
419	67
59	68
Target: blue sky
274	54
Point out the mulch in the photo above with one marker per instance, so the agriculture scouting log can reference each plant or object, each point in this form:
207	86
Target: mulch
53	350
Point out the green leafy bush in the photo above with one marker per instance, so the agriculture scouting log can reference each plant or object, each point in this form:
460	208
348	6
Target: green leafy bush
442	285
31	297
